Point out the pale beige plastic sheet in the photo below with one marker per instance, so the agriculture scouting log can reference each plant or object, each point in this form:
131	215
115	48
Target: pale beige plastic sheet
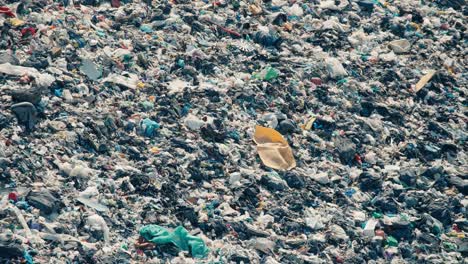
273	149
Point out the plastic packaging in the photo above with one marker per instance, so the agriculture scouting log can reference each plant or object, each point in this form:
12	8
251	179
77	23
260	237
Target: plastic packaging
273	149
179	237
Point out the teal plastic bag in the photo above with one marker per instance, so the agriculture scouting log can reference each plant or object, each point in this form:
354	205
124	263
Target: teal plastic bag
179	237
149	127
28	258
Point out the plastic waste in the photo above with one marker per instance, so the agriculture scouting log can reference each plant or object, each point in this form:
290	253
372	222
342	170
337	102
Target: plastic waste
400	46
7	11
10	250
179	237
16	22
96	222
26	113
391	241
128	80
28	257
177	86
335	68
264	245
369	229
424	80
267	37
142	112
149	127
193	123
42	79
273	149
43	200
93	204
90	69
296	10
267	74
309	123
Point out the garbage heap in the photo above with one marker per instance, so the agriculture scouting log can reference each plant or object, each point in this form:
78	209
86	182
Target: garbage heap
277	131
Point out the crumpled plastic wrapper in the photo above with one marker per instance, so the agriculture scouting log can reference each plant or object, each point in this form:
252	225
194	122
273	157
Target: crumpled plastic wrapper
273	149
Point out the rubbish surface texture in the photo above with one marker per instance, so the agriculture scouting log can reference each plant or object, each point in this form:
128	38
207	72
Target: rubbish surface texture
229	131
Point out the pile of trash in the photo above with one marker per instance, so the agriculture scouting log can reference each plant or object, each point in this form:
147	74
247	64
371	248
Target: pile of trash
226	131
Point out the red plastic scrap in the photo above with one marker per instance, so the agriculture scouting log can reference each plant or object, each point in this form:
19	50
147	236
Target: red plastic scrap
229	31
28	31
456	228
316	81
25	78
115	3
13	196
358	158
143	244
7	11
339	259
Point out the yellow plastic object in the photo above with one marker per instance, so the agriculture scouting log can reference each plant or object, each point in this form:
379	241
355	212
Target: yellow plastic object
416	26
424	80
273	149
255	10
155	150
16	22
268	135
310	122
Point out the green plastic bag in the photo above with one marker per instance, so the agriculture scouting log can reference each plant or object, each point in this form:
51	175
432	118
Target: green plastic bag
267	74
179	237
